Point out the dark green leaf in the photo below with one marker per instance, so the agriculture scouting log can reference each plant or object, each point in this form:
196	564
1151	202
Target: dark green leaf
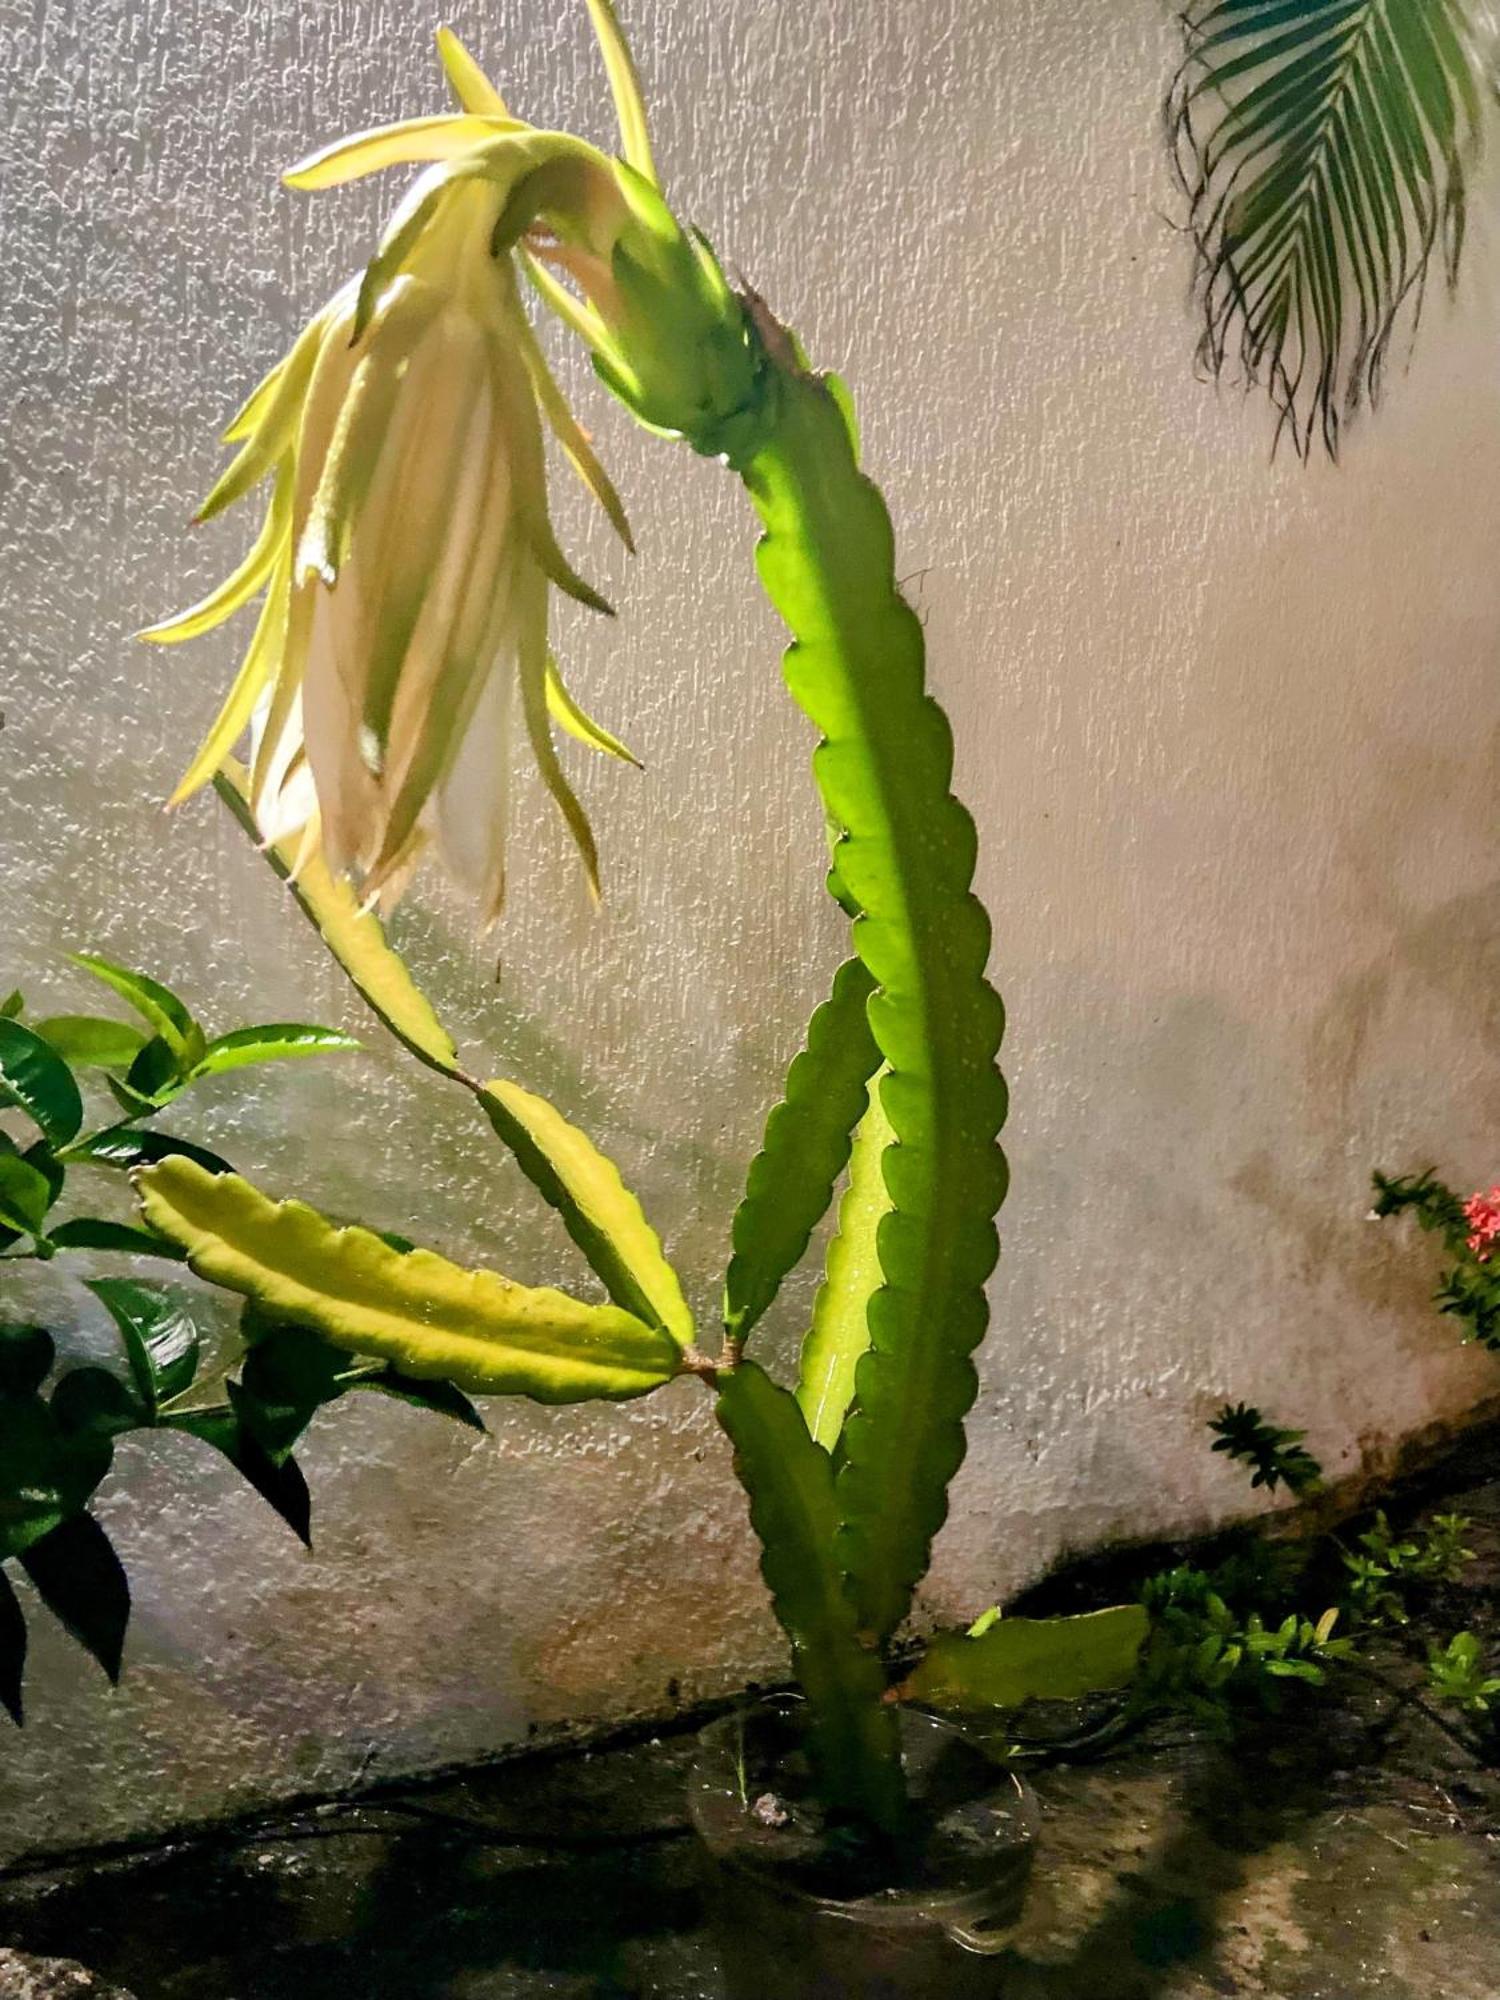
157	1006
12	1650
154	1074
49	1166
805	1149
34	1075
440	1397
134	1103
90	1402
92	1232
24	1195
12	1005
287	1377
281	1486
125	1146
26	1357
46	1474
290	1373
160	1339
90	1041
79	1578
273	1043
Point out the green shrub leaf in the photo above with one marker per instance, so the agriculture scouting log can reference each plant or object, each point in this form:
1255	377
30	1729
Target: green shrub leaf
34	1076
159	1337
805	1149
93	1232
12	1651
157	1005
25	1195
26	1357
79	1578
89	1041
281	1486
276	1042
90	1402
126	1146
46	1474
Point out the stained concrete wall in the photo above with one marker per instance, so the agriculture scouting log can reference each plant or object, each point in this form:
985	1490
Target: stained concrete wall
1228	727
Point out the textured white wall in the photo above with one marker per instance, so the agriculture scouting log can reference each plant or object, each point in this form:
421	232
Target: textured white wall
1228	728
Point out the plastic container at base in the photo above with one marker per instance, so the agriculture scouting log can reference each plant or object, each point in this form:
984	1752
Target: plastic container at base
800	1916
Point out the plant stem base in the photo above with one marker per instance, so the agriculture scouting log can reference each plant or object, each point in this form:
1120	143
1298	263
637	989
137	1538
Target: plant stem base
799	1918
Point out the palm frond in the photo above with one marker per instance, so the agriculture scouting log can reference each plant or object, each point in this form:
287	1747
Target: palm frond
1324	147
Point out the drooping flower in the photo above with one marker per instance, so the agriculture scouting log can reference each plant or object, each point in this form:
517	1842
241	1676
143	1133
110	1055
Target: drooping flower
406	554
1482	1213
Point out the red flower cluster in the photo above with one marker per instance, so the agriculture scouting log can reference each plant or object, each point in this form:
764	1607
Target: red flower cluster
1482	1212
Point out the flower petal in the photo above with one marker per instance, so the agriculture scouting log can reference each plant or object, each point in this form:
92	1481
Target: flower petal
570	434
625	87
466	79
267	442
532	661
233	719
247	417
473	800
406	313
242	585
566	713
412	142
409	571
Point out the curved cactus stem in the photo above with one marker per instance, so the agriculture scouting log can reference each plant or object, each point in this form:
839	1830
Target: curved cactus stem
906	856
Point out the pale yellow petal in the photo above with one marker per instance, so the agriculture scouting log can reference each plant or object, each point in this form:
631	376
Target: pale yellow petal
424	525
466	79
570	434
625	87
532	662
471	803
234	717
363	426
240	587
566	713
414	142
455	641
276	422
247	417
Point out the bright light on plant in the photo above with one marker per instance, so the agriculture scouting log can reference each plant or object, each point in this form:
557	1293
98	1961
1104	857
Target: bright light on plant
407	553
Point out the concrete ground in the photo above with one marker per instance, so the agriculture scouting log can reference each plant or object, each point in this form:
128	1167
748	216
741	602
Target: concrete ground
1338	1856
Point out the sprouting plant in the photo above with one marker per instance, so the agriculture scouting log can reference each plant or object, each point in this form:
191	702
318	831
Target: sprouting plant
379	703
1277	1457
1207	1653
59	1426
1455	1674
1470	1229
1386	1565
